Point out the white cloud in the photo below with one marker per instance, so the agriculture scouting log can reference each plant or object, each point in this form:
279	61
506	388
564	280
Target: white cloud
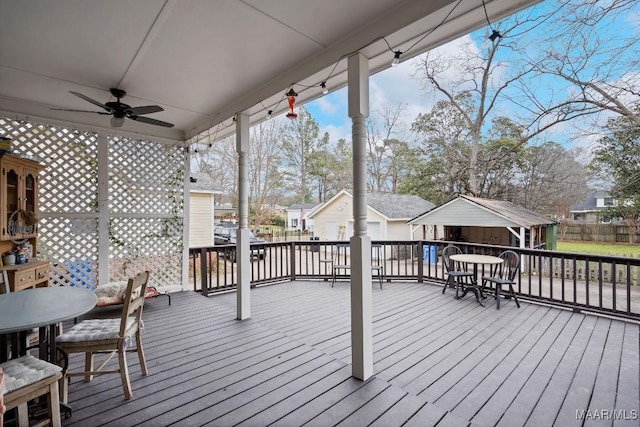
329	105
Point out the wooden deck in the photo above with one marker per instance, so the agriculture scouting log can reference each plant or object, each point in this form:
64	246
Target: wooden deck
438	361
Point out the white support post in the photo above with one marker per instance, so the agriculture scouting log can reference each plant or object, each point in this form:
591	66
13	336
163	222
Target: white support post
103	208
242	238
185	218
361	294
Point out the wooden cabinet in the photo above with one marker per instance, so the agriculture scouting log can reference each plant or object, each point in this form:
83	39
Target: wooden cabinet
18	191
30	275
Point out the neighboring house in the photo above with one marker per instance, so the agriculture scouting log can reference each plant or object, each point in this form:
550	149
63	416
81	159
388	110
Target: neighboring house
298	216
591	210
387	216
201	210
495	222
226	213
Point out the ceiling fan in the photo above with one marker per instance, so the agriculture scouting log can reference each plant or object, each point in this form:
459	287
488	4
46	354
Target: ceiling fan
119	110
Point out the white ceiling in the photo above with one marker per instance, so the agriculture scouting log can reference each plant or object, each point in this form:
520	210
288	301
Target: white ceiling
204	61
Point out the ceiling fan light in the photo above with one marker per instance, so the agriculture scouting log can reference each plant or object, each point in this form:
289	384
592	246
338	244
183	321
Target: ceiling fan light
117	122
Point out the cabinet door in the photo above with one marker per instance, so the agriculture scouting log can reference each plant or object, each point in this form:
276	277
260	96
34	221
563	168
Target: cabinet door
30	199
11	195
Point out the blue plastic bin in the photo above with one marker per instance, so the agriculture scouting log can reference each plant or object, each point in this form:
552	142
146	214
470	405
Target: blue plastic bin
82	273
430	254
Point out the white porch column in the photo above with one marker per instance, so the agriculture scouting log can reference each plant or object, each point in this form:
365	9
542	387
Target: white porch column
361	294
186	180
103	208
242	242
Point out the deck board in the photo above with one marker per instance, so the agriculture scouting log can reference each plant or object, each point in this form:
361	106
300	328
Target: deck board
437	361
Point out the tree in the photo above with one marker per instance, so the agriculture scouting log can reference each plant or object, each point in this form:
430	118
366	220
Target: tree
299	142
265	178
448	145
550	180
618	156
587	45
385	131
219	161
475	81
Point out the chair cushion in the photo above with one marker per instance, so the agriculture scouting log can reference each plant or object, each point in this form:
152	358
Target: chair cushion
26	370
94	330
111	293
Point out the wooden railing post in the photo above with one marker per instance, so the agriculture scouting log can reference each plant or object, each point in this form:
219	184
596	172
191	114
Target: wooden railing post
292	260
204	285
420	262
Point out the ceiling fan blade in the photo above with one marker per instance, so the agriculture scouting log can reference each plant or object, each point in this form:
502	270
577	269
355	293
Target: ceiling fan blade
82	111
151	121
145	109
93	101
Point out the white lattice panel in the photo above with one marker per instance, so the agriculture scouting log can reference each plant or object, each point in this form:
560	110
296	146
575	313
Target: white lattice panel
145	204
145	177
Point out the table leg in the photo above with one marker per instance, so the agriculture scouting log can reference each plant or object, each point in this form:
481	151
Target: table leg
477	291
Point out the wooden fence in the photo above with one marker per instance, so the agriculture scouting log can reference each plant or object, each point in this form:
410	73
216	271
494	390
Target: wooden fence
596	233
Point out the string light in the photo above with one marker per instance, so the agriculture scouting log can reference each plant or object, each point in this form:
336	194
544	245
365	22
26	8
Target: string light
495	34
323	85
397	53
396	58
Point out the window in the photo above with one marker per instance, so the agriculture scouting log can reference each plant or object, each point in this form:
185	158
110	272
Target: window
294	222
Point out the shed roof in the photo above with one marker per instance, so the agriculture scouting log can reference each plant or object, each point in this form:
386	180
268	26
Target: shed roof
398	206
202	183
391	206
475	211
303	206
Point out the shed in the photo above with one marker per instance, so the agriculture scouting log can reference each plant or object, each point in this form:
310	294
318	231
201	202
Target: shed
496	222
201	210
297	216
387	216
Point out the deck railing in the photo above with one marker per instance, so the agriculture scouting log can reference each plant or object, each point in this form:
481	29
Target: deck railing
603	284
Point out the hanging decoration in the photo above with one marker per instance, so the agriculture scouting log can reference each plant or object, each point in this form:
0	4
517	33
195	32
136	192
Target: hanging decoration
291	97
21	222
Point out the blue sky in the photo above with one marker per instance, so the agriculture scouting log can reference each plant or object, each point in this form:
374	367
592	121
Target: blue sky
396	85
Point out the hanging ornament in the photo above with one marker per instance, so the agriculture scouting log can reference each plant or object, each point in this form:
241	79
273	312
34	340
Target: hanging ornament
291	97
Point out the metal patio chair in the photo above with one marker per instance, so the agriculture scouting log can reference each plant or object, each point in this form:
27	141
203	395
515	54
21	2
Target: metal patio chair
503	275
457	274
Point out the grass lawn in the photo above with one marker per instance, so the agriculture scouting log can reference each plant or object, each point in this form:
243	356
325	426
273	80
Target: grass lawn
599	248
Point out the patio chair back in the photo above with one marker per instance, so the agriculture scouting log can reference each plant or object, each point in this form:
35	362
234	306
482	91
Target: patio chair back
509	267
446	253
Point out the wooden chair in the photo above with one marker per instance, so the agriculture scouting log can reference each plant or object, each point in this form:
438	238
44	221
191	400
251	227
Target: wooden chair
503	275
341	255
26	378
457	274
377	262
4	282
2	407
111	337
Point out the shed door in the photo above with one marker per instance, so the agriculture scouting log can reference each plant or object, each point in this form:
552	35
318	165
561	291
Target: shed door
331	229
374	230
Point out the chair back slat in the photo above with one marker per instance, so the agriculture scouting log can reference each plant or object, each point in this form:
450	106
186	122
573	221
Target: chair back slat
510	265
134	297
449	264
